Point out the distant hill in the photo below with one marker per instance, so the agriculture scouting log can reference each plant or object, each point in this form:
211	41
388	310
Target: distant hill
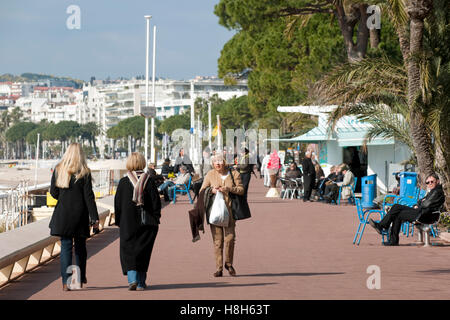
31	77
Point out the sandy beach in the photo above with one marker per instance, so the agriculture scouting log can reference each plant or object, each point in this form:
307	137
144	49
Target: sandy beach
25	170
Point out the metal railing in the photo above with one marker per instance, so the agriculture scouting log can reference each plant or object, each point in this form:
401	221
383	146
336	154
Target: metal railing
15	203
14	206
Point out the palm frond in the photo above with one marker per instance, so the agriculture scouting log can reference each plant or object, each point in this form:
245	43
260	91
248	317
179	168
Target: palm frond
370	80
397	12
386	124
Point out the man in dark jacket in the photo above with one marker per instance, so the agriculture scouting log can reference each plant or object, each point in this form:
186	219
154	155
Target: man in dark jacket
400	213
245	168
309	176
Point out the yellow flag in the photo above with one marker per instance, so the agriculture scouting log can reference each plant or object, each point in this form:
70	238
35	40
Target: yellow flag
215	131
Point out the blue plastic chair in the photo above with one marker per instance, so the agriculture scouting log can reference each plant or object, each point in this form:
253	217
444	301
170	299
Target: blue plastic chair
182	188
407	195
363	217
407	228
404	199
352	189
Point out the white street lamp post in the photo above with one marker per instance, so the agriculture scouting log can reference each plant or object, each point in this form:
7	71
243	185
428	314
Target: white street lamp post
209	126
37	158
192	120
146	84
153	158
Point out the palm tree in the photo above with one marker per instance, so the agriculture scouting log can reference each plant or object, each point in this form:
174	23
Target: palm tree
379	90
4	125
90	131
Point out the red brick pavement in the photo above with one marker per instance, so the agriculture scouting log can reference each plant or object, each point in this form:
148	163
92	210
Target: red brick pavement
287	250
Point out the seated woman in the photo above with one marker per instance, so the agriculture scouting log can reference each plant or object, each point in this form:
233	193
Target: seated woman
293	172
320	175
347	183
328	180
331	186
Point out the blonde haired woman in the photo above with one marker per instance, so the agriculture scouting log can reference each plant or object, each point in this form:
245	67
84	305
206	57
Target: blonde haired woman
136	241
220	179
75	211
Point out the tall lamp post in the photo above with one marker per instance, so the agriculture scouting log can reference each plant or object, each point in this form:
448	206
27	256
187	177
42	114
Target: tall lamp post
192	121
147	18
209	126
153	158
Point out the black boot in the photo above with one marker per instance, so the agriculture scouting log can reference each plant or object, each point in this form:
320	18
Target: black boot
376	226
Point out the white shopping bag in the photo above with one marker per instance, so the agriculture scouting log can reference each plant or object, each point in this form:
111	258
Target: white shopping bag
219	215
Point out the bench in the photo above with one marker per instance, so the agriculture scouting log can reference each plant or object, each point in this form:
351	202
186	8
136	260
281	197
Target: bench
25	248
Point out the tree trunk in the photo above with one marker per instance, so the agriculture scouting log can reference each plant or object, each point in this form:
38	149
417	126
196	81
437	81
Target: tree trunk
347	23
95	147
443	168
374	38
418	10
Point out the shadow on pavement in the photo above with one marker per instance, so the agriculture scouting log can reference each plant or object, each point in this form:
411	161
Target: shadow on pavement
204	285
186	286
291	274
436	271
38	279
268	201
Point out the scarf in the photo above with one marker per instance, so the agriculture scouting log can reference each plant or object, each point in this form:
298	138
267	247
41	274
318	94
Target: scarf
138	180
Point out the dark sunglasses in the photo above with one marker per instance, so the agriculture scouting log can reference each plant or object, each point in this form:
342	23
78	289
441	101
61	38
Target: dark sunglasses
428	182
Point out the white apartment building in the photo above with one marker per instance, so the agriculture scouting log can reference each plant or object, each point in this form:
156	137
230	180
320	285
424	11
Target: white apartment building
37	109
108	104
10	89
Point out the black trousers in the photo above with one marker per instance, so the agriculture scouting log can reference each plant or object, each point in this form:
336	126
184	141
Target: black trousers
309	181
332	191
397	215
245	178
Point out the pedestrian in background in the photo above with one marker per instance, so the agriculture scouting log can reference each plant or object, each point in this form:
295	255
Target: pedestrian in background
309	176
136	240
265	170
75	212
245	168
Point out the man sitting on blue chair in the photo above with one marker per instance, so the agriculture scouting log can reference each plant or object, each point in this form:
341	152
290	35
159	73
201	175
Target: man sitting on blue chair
400	213
168	186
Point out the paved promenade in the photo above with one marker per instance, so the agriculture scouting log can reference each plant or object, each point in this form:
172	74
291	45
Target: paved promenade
287	250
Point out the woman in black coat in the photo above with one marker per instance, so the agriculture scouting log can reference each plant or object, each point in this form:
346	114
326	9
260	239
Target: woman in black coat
136	241
75	211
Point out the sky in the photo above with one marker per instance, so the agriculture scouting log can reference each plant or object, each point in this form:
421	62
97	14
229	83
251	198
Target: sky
111	38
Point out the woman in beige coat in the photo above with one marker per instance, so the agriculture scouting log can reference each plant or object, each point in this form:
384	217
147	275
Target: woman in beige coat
348	183
219	179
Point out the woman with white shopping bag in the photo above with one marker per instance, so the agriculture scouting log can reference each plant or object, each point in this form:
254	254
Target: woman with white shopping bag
223	232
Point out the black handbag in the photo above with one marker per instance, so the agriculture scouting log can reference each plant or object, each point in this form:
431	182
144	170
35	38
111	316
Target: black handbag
145	217
239	205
